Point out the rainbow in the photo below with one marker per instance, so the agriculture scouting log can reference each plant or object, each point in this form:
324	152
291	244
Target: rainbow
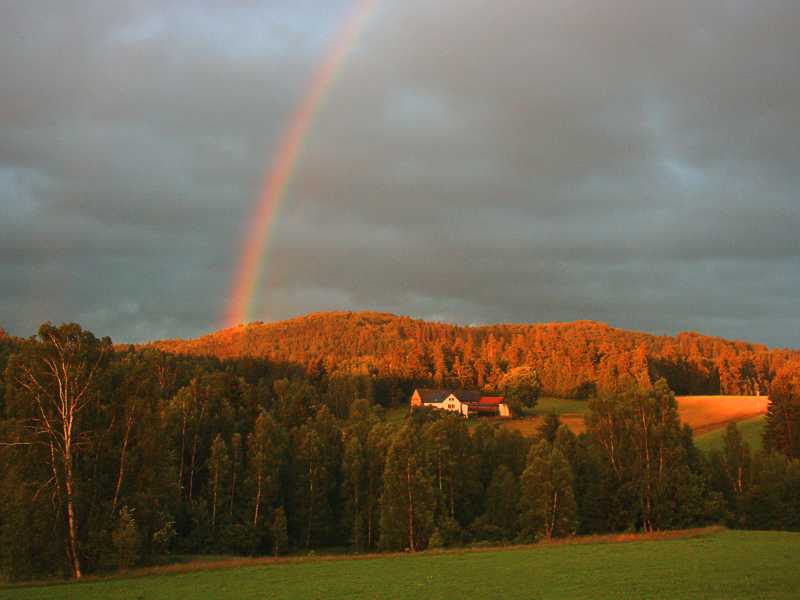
278	177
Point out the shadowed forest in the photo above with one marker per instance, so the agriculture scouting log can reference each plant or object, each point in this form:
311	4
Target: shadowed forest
270	439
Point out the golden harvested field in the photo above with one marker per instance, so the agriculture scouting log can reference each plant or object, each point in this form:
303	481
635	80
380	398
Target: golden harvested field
707	413
702	413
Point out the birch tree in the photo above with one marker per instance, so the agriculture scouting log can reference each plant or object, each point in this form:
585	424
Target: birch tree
218	467
59	374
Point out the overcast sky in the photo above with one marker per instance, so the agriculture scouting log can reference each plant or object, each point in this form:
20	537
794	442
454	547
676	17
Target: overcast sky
632	162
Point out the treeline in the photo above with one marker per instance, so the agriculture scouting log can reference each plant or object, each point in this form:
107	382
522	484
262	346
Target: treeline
574	360
114	458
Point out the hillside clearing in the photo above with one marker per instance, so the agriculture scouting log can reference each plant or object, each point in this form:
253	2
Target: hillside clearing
704	414
752	431
718	564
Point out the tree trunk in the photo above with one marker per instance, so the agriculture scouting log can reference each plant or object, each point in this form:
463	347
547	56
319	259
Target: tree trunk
258	500
787	417
551	528
358	517
740	481
194	447
610	445
183	452
410	508
452	498
370	510
214	499
234	470
121	470
310	507
648	490
72	524
233	490
369	527
191	466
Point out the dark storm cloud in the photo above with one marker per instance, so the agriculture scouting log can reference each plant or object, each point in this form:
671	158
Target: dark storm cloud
633	162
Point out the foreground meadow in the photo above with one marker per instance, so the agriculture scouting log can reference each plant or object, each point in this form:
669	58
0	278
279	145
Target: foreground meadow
713	564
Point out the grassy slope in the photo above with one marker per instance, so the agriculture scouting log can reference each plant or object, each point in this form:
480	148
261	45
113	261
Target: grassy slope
751	430
570	412
727	565
560	406
706	414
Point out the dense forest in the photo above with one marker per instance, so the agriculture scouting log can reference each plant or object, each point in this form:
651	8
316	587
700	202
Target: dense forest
573	360
116	456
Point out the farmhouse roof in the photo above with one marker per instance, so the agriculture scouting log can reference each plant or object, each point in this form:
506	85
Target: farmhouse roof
492	400
467	396
429	396
435	396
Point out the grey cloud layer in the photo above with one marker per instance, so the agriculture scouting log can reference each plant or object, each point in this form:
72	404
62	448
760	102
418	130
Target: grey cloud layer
635	162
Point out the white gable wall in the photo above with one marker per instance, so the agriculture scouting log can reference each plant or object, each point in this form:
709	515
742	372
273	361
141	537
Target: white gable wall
452	404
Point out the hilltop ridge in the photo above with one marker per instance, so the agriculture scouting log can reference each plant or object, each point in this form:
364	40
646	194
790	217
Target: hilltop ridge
574	359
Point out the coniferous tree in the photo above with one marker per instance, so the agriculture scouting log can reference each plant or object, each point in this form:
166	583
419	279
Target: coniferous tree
317	463
549	426
768	504
407	503
547	500
355	476
280	534
782	433
126	539
265	458
376	448
502	502
356	501
731	472
567	442
449	452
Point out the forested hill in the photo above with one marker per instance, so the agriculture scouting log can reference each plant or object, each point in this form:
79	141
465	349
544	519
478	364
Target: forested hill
573	359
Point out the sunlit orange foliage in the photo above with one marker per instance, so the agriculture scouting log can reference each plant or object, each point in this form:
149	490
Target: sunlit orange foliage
572	359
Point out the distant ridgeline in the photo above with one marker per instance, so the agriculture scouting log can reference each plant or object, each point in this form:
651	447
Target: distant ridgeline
573	360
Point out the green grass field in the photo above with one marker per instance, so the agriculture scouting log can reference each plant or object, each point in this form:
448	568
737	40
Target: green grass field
560	406
395	414
751	430
721	565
